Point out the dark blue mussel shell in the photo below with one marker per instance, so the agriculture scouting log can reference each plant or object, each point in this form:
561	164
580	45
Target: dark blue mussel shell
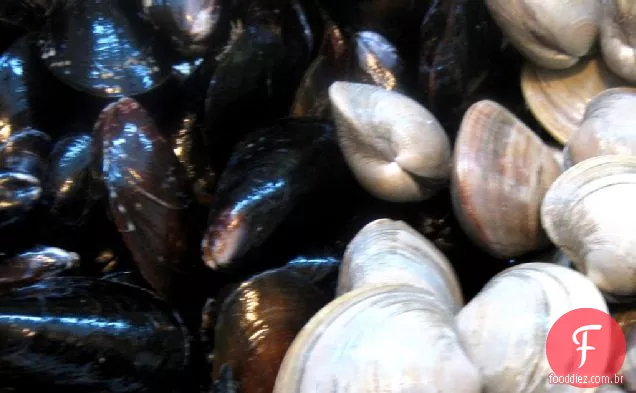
270	171
86	335
35	264
149	198
100	47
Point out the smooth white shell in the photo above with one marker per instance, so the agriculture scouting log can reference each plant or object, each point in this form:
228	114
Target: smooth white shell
589	212
608	127
618	37
504	328
550	33
387	252
395	147
396	339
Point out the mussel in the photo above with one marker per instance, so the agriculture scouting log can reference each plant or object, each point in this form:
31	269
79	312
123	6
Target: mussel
258	322
88	335
35	264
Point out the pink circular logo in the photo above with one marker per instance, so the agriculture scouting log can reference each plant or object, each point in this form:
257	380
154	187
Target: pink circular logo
585	348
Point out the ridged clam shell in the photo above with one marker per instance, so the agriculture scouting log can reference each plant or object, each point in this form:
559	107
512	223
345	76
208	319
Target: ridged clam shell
501	170
395	147
504	328
558	98
387	252
608	127
618	36
395	339
589	212
551	33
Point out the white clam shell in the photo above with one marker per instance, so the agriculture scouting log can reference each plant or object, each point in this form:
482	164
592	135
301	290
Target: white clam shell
558	98
618	37
387	252
608	127
396	339
550	33
504	328
629	366
589	212
501	170
395	147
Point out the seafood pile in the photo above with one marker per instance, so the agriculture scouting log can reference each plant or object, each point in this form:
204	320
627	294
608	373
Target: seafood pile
293	196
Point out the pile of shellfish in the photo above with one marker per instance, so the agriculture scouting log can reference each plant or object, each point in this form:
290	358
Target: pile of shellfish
308	196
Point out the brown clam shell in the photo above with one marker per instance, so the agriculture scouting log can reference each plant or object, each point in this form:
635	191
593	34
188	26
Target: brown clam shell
558	98
501	170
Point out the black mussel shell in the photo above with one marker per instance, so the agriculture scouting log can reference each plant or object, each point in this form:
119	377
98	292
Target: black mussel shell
22	166
458	41
127	278
189	24
26	14
269	173
321	270
258	322
35	264
312	96
377	61
101	48
15	110
148	196
69	179
244	78
88	335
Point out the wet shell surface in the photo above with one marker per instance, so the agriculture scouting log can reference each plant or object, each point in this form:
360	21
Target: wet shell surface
376	340
558	98
589	213
396	148
550	33
608	127
387	252
501	170
504	328
618	37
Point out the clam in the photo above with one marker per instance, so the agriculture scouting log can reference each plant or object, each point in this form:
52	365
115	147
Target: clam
391	252
607	127
558	98
618	37
629	366
501	170
504	328
396	148
551	34
379	339
589	213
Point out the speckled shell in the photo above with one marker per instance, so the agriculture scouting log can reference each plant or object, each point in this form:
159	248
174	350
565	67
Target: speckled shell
387	252
395	147
608	127
501	170
618	36
558	98
551	33
589	213
377	340
504	328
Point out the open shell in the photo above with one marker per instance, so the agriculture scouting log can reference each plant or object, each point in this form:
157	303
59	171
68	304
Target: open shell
550	33
608	127
504	328
395	147
558	98
618	37
377	340
589	212
501	170
391	252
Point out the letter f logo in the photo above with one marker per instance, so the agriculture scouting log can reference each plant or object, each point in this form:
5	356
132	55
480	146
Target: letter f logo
584	347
